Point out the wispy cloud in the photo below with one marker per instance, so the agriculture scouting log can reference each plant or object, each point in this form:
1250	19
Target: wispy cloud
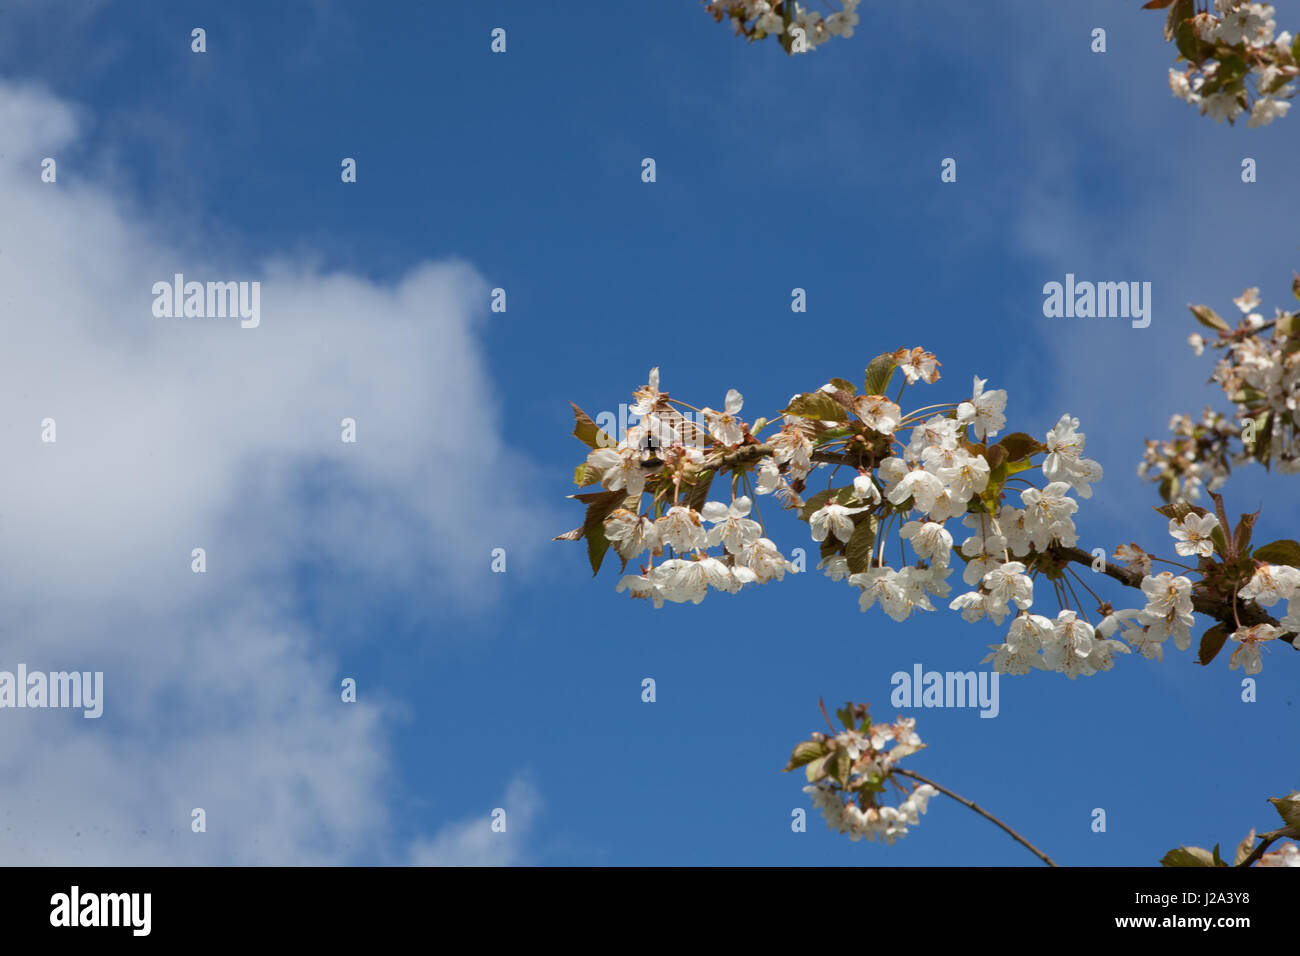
174	434
473	842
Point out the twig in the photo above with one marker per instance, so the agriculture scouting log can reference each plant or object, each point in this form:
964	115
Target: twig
981	811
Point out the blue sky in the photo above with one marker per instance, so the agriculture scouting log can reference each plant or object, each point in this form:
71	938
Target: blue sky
522	171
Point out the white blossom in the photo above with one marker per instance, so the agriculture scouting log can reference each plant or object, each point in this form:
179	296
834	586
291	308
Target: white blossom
1071	645
766	561
1246	656
725	426
731	526
1272	583
1193	534
930	540
984	410
1065	461
630	534
680	529
1047	515
833	518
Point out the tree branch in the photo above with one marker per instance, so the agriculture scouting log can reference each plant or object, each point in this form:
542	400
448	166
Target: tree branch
1266	839
981	811
1218	608
726	458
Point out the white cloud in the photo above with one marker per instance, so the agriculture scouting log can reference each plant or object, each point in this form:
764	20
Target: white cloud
182	433
472	841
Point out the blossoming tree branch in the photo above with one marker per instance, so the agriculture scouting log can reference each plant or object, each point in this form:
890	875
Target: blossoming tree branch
876	476
677	494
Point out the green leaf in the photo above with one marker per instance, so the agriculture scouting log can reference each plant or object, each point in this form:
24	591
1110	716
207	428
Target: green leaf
698	493
587	497
838	765
845	714
1188	856
1220	540
1230	68
806	752
1185	37
1288	808
1212	642
1263	437
830	434
1244	848
1020	445
861	542
1208	317
830	547
879	371
814	770
818	406
841	495
588	432
1178	10
1285	551
1218	860
999	474
593	526
1156	4
844	385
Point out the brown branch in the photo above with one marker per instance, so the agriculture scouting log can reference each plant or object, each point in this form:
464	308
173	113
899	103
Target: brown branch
726	458
1219	608
981	811
1266	839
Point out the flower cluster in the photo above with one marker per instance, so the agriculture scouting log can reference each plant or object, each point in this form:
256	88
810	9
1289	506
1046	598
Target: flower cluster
1269	585
1259	372
938	480
1068	645
1237	62
797	28
849	773
1268	575
1195	459
942	475
665	455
